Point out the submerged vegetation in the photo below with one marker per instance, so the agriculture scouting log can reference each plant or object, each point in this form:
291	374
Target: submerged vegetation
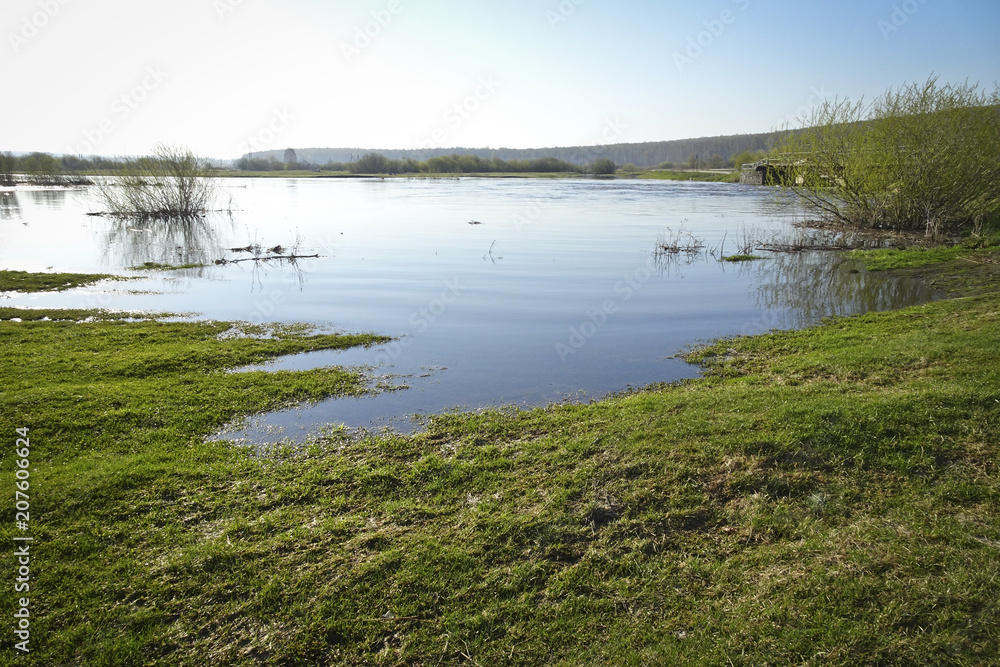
923	157
825	495
158	266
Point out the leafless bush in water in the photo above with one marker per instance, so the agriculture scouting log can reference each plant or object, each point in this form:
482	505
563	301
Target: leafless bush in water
681	241
170	184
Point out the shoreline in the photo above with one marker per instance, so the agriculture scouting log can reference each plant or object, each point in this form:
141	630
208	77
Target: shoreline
808	476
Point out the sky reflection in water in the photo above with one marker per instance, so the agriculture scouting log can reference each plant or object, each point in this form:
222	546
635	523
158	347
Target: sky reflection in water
556	291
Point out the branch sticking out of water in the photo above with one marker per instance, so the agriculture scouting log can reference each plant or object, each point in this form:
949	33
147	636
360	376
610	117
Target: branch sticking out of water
264	258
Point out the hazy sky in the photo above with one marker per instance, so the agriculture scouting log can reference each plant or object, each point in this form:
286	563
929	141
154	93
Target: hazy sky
224	76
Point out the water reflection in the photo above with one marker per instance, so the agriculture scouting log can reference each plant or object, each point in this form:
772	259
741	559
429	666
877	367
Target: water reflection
52	199
672	264
10	207
172	242
261	269
792	290
799	289
531	276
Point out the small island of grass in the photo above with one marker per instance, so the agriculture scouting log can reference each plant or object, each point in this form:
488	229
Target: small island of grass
24	281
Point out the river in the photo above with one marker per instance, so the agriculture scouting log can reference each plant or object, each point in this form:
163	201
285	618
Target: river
497	291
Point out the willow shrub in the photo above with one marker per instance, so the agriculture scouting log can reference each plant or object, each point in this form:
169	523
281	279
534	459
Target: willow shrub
170	184
923	157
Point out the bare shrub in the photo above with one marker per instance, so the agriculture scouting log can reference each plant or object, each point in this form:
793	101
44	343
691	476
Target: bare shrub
170	184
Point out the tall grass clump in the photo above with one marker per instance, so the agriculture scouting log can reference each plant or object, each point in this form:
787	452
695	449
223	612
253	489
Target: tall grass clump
919	158
170	184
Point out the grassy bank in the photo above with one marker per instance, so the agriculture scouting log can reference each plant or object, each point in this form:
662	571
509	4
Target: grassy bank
827	496
674	175
970	250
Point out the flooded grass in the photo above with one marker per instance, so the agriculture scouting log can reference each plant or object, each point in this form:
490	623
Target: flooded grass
826	494
24	281
157	266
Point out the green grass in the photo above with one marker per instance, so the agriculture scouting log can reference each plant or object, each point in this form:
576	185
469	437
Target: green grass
157	266
827	496
676	175
741	258
893	258
23	281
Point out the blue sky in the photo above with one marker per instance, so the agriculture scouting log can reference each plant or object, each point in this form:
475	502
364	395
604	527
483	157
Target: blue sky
224	76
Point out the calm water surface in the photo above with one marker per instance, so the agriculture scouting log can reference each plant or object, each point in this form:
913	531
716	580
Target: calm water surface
555	292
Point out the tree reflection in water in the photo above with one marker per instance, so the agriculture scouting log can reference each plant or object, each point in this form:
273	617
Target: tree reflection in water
172	242
800	289
10	207
792	290
52	198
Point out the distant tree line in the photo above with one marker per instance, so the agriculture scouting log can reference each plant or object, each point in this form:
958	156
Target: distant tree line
46	169
248	163
678	153
379	163
376	162
459	164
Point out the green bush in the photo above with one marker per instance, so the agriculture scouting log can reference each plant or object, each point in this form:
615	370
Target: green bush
603	166
923	157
